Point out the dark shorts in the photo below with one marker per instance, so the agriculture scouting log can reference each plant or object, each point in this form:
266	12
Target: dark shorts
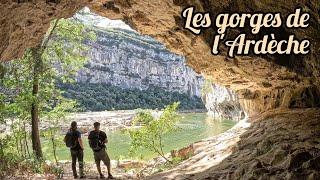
101	155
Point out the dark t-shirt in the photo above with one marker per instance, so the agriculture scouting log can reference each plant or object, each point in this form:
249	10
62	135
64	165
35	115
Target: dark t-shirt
100	135
77	135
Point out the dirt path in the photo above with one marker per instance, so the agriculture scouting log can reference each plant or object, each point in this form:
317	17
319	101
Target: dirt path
92	173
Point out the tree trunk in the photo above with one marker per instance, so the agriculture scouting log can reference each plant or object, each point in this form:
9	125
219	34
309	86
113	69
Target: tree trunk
35	134
26	139
54	148
37	70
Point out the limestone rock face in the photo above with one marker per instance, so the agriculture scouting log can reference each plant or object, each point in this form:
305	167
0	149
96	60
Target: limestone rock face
222	102
24	22
125	59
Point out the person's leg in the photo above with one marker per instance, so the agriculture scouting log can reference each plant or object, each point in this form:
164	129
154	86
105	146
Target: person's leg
106	161
73	163
80	161
97	161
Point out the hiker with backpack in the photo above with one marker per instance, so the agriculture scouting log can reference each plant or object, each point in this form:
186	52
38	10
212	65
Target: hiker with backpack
97	141
74	142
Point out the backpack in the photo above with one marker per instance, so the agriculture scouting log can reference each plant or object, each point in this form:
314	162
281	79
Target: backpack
71	139
95	143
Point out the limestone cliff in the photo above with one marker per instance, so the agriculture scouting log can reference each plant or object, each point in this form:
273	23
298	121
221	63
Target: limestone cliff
123	58
222	102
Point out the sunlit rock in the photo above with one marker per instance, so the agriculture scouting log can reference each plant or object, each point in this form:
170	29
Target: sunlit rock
222	103
121	57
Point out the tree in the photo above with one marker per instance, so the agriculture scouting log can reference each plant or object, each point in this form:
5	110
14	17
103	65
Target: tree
55	116
88	95
152	131
58	57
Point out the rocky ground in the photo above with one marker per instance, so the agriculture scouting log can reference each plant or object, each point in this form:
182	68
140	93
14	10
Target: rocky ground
281	144
199	156
109	120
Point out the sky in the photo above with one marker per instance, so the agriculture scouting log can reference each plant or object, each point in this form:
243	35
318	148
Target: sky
90	18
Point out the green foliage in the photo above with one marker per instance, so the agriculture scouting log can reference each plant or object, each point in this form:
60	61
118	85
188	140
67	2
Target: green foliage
150	134
65	50
56	115
59	57
99	97
2	107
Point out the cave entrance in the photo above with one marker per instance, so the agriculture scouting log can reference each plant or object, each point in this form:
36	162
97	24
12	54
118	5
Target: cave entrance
126	71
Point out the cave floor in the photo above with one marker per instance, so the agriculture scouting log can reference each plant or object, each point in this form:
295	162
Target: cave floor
279	144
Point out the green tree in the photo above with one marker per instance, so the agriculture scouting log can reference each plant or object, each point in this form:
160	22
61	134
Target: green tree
152	131
55	116
33	77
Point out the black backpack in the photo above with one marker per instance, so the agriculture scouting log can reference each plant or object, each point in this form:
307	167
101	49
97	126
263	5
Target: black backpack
95	142
71	139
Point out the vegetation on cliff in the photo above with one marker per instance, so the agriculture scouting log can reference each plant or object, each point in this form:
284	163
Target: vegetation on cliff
98	97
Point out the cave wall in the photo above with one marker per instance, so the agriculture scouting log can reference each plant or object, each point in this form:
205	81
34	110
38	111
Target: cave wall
262	83
25	22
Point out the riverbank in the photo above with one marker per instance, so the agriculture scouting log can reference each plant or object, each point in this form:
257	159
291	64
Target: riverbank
206	153
279	144
198	155
191	128
196	133
109	120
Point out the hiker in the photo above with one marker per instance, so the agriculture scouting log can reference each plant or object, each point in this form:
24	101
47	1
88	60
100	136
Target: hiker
74	142
97	141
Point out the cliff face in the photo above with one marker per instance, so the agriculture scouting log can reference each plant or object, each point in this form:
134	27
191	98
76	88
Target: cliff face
123	58
222	102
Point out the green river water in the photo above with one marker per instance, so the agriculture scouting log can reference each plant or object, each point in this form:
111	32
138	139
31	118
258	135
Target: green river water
192	128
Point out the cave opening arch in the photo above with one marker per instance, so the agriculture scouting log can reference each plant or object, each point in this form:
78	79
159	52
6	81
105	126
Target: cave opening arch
261	85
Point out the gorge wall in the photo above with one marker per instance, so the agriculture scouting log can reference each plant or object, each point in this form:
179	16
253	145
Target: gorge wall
121	57
222	103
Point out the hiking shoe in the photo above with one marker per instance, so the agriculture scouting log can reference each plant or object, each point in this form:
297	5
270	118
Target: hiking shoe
110	176
82	177
102	176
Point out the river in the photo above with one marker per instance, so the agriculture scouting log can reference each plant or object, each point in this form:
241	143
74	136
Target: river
192	128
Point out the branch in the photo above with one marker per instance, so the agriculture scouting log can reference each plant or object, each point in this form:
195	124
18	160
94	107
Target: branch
161	154
46	40
160	139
